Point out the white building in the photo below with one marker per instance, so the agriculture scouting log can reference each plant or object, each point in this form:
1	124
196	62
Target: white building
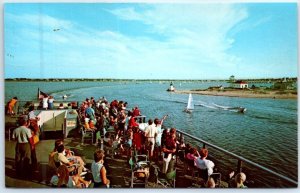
240	84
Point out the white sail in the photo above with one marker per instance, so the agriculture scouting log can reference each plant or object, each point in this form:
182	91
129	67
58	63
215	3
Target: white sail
190	104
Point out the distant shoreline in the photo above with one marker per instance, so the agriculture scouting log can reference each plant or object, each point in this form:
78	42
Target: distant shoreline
243	93
258	80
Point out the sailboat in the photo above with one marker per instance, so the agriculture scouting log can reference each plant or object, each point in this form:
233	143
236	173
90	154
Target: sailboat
190	105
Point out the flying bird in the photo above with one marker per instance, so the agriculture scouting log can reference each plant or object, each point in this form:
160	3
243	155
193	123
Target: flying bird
9	55
56	29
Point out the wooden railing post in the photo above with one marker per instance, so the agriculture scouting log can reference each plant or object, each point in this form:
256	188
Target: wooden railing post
239	167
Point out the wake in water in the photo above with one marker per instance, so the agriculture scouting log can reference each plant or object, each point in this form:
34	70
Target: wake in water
234	109
205	104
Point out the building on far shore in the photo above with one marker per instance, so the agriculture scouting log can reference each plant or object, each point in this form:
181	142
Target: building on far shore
240	84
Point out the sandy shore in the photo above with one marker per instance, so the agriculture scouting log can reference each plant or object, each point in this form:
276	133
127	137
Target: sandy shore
242	93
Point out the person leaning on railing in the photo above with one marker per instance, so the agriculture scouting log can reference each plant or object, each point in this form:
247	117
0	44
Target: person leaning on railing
203	163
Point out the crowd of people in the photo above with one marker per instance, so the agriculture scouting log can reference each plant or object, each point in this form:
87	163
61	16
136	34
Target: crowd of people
119	130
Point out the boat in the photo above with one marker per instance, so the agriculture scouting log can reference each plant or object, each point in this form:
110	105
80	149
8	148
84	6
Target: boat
171	88
235	109
239	109
190	105
64	96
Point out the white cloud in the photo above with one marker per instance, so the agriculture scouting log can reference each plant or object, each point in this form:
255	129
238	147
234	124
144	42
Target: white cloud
201	29
194	37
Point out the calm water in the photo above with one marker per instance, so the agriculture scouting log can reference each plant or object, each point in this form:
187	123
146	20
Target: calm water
266	133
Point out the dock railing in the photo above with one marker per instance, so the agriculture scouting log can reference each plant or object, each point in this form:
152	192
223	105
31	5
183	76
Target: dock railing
22	106
240	160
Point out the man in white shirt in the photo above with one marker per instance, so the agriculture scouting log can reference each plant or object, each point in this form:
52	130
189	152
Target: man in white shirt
150	134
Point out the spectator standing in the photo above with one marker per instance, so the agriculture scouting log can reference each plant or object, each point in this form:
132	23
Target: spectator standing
23	148
151	134
10	106
169	150
50	102
99	171
45	102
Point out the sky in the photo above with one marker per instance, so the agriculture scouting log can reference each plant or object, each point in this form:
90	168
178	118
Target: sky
150	40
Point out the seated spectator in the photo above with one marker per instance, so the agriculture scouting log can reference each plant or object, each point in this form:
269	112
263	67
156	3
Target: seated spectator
68	153
91	125
191	157
107	140
129	137
99	171
193	154
60	158
202	163
210	183
64	179
117	146
61	106
108	143
239	180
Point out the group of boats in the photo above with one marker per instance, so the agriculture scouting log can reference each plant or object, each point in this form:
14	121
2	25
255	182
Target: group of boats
190	106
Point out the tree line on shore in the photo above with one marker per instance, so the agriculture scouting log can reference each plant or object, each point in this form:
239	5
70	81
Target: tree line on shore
262	80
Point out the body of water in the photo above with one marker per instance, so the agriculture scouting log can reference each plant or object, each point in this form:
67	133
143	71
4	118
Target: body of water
266	133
